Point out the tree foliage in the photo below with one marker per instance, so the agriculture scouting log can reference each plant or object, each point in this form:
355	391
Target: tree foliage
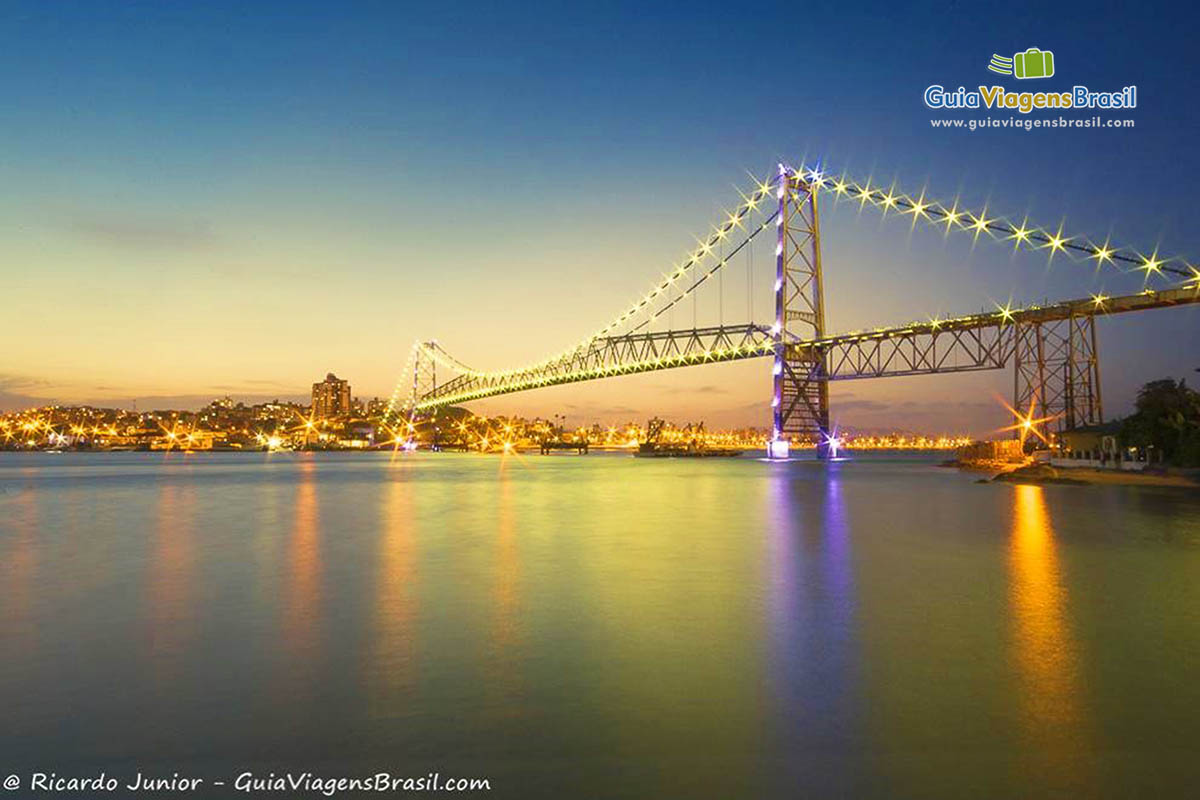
1168	420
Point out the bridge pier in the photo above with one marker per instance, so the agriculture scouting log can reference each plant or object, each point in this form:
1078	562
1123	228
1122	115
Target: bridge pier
800	400
1057	372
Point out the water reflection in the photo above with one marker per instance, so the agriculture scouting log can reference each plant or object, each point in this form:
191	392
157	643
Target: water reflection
1044	648
599	626
506	594
171	582
19	567
813	637
836	565
302	586
394	668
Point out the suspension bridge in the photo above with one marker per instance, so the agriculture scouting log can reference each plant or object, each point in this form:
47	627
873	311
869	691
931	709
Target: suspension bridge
1051	348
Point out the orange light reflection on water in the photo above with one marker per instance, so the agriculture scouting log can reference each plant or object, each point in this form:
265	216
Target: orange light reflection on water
506	628
1044	648
18	569
171	581
394	669
302	590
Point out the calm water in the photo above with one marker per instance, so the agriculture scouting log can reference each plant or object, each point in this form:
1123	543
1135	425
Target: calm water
599	626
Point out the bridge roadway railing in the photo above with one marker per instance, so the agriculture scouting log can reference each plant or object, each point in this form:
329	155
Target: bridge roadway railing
964	344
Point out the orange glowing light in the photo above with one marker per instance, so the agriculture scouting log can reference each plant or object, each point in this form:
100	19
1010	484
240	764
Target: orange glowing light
1027	423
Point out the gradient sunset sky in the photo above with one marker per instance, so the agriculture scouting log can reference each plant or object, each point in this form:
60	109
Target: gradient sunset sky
201	199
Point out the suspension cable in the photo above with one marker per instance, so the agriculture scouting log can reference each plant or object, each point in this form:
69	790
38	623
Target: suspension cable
721	289
750	285
707	274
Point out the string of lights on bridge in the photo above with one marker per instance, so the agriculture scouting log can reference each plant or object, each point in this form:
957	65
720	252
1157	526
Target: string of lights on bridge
953	217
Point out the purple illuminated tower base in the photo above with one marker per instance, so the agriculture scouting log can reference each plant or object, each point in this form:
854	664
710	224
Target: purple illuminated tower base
800	401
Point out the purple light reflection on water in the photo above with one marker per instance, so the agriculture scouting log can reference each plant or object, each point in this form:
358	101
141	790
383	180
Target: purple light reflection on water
812	637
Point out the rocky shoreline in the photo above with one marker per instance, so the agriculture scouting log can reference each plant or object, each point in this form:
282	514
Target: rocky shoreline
1037	473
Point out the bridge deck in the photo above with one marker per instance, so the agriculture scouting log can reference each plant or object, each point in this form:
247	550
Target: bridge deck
973	342
964	344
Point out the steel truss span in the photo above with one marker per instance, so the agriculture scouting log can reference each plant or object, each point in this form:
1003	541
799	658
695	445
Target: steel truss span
607	356
964	344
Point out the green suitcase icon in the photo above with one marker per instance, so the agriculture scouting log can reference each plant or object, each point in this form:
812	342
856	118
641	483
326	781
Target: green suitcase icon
1033	63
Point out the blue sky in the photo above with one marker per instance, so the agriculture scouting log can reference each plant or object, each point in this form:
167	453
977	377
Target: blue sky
211	198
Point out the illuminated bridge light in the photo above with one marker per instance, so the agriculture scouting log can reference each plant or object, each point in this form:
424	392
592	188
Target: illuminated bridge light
952	217
834	443
980	223
1056	243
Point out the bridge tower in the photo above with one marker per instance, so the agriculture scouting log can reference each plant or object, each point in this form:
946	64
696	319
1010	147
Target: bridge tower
800	400
1057	375
424	377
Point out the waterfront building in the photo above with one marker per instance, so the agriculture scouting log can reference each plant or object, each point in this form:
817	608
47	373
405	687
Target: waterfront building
330	397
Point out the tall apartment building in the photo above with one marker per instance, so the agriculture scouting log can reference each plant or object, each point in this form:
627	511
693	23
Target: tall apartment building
330	397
